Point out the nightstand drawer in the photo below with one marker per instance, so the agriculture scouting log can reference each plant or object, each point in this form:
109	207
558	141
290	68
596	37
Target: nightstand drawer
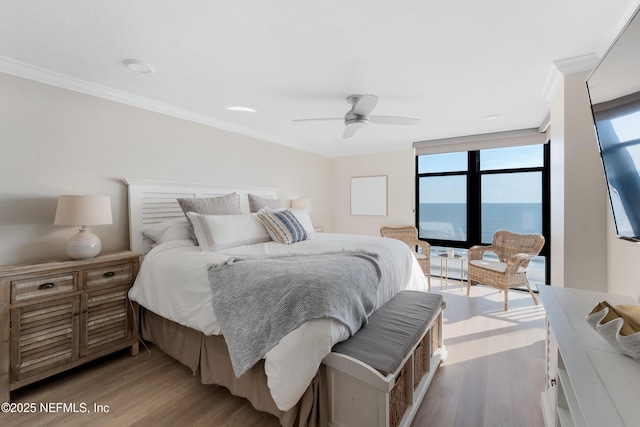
108	275
43	286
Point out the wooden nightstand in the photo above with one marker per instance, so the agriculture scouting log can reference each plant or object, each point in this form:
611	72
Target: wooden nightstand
58	315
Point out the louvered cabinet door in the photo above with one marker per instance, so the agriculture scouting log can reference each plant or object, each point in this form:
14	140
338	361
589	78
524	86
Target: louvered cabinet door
106	320
43	337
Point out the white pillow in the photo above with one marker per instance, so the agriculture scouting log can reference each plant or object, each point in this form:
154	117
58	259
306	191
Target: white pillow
216	232
302	215
165	231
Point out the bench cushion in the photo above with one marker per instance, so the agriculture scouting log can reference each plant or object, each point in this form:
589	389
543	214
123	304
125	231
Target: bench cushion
392	330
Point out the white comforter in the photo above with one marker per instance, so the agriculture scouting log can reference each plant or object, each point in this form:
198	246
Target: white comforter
173	283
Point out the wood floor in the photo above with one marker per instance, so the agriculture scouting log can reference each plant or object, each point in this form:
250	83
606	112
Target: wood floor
495	370
493	377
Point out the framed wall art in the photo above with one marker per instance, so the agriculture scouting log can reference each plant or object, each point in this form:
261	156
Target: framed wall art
369	195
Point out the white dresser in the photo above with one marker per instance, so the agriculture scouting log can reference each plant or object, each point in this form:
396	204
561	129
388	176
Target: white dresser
588	383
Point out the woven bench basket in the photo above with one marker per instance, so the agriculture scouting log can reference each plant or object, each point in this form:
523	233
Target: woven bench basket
420	361
435	338
399	397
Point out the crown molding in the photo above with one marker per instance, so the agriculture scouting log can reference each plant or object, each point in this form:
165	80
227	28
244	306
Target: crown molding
588	62
554	78
565	67
577	64
41	75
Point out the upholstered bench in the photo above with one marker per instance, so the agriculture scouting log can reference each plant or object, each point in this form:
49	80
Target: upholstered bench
379	376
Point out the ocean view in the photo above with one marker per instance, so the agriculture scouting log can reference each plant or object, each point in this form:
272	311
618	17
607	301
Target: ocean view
449	220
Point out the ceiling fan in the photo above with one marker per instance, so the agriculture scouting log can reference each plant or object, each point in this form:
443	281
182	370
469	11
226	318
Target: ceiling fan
358	117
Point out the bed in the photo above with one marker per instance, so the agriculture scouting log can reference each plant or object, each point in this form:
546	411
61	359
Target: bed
177	308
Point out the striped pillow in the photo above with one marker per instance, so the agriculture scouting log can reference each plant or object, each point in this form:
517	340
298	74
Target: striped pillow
282	226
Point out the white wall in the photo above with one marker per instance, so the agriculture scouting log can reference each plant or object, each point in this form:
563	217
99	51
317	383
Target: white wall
54	141
556	149
398	166
623	264
579	198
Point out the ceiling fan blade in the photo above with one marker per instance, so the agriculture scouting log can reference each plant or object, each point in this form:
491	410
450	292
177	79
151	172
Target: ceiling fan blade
365	105
349	131
393	120
319	119
351	128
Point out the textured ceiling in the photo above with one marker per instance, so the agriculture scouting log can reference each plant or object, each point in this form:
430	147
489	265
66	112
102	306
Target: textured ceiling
450	63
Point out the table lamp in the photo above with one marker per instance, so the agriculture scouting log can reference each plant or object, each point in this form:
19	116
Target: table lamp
83	211
301	203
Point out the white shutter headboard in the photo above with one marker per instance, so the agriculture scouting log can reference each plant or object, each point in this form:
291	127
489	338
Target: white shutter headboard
153	201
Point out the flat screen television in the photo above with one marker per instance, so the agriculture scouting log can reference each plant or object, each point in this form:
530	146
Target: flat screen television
614	91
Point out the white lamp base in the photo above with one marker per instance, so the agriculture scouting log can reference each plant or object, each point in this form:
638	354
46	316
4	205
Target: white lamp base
84	245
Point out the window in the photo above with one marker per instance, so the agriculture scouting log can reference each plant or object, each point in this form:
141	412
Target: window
528	156
464	197
510	201
443	199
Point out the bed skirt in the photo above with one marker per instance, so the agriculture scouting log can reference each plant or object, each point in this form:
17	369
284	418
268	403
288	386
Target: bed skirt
208	356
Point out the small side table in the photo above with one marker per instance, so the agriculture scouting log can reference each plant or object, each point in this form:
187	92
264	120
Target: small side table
445	276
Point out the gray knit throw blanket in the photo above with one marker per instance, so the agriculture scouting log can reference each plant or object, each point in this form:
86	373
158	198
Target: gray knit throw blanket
260	300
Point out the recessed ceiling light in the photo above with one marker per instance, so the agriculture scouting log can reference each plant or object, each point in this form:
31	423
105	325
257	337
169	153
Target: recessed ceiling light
139	66
492	117
245	109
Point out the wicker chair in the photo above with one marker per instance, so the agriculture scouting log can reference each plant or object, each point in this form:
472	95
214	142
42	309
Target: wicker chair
409	235
514	252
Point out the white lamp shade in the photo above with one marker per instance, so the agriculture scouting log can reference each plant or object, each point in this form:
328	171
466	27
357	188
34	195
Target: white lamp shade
301	203
83	210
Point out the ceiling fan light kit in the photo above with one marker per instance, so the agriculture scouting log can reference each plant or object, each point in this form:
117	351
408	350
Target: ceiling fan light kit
358	117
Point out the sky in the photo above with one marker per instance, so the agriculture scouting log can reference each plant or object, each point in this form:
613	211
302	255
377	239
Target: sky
497	188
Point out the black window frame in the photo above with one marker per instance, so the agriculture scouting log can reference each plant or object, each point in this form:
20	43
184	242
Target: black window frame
474	202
